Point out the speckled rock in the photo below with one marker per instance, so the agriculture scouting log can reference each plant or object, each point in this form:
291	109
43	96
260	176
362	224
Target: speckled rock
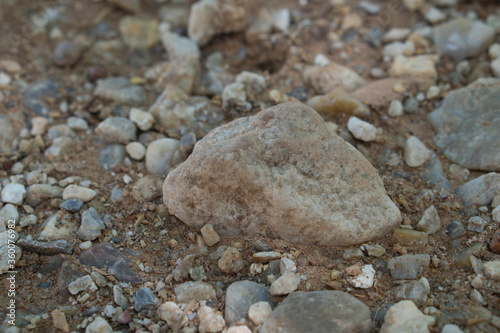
459	122
199	291
326	78
116	130
319	312
284	166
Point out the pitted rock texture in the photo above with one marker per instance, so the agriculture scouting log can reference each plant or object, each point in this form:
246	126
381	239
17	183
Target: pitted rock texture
281	174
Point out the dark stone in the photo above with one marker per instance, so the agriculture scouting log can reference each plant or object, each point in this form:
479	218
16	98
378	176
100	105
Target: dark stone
319	312
145	300
106	256
36	95
273	268
91	311
66	53
432	173
53	263
69	273
45	285
299	93
72	205
455	230
240	296
124	318
186	144
495	242
261	246
46	248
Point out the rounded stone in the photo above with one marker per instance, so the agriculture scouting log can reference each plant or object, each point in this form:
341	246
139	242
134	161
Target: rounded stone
66	53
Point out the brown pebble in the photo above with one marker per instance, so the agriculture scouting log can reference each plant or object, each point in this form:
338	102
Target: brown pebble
95	73
495	242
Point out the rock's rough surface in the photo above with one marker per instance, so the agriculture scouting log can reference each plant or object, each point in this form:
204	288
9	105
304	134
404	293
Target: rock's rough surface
480	190
281	174
460	122
406	317
319	312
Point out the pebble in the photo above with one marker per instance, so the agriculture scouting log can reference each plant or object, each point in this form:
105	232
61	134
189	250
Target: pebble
419	69
239	329
78	192
259	312
495	67
492	270
144	120
46	248
415	152
433	92
462	38
369	7
72	205
39	125
361	130
411	105
119	89
145	300
331	76
78	124
281	20
66	53
210	236
285	284
455	230
338	101
59	320
36	95
480	190
375	250
116	130
146	188
81	284
476	224
58	226
27	220
413	5
136	150
240	296
58	131
338	312
182	268
415	291
139	32
109	311
352	253
38	193
395	109
406	317
365	279
99	325
119	298
494	51
408	267
14	193
265	257
231	261
433	15
209	320
59	147
396	34
194	290
450	328
8	212
430	222
171	313
186	144
179	46
160	156
495	214
287	265
91	226
106	256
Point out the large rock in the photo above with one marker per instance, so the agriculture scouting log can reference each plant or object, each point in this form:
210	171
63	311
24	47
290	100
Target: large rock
468	125
281	174
319	312
177	114
479	191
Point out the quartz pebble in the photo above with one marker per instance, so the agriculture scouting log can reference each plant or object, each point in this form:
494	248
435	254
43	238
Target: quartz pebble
136	150
99	325
81	284
59	320
231	261
78	192
395	109
406	317
365	279
430	222
209	320
259	312
210	236
14	193
361	130
285	284
415	152
492	270
144	120
171	313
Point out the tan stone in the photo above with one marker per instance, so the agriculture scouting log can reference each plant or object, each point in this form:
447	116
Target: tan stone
331	76
338	101
281	174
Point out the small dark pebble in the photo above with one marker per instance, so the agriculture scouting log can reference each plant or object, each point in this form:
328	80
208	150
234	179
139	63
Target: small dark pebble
72	205
186	145
261	246
299	93
46	248
455	230
45	285
145	300
95	73
124	318
66	53
91	311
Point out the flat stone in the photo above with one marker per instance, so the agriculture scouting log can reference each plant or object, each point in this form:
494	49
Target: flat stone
182	72
182	268
240	296
78	192
432	173
119	298
36	95
462	38
145	300
106	256
80	284
139	32
380	93
8	213
326	78
416	291
77	124
92	225
210	236
194	290
455	230
14	193
59	320
177	113
420	69
111	156
59	147
459	122
46	248
404	317
285	284
479	191
273	154
408	266
338	101
265	257
462	258
320	312
119	89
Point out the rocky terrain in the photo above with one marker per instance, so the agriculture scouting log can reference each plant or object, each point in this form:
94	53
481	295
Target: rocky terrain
249	166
